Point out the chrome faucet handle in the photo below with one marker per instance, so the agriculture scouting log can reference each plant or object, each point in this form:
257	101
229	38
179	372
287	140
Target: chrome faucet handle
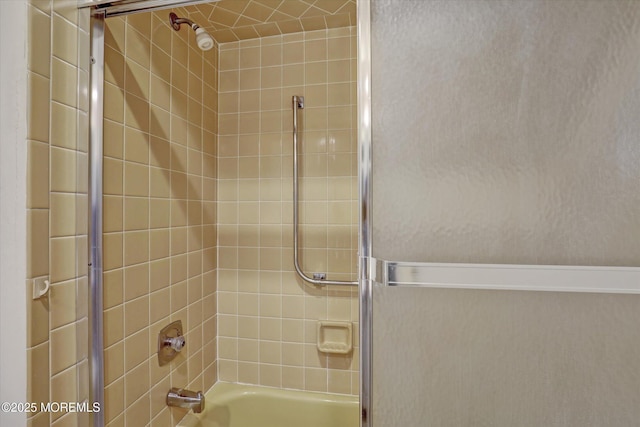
176	343
170	342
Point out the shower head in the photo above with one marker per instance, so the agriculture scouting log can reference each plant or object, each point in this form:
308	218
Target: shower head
204	40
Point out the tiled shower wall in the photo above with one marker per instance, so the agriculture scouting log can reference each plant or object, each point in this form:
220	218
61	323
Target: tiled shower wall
267	316
160	126
58	104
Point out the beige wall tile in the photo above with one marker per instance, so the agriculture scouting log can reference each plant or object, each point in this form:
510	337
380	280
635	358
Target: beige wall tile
55	175
63	388
138	47
142	23
136	213
37	175
157	397
39	40
160	305
159	274
62	301
38	374
63	252
113	363
159	241
63	348
114	66
114	399
136	314
136	281
112	251
37	318
159	213
136	148
136	349
38	108
64	40
37	242
65	77
136	180
113	325
136	112
63	214
262	205
159	184
114	106
63	170
136	247
112	214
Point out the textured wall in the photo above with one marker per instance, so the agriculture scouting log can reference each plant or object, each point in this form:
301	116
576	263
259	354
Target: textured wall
267	317
506	131
505	358
159	214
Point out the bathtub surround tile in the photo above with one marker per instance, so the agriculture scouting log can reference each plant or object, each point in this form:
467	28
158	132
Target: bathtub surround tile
37	242
38	107
64	389
64	251
113	363
66	76
113	325
157	397
37	175
63	170
154	193
39	41
293	378
39	420
38	373
267	326
114	400
62	300
54	365
65	39
271	376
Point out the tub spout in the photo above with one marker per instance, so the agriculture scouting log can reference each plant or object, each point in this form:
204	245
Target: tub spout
188	399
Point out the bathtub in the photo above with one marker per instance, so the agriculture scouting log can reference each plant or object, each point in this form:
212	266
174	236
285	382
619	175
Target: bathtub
234	405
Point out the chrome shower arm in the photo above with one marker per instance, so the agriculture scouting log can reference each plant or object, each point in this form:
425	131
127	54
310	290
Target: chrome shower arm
176	22
297	102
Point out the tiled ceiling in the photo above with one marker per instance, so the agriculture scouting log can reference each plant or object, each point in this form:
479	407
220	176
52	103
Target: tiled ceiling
233	20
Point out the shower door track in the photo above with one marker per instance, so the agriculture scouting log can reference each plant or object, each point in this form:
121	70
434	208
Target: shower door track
127	7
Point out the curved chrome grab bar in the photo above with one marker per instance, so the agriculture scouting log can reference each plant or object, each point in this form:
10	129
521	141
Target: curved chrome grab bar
297	102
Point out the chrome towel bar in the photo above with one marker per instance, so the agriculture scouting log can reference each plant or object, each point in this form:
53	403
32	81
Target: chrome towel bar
297	102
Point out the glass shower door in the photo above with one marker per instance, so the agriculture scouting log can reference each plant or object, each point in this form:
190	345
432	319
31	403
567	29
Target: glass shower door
506	213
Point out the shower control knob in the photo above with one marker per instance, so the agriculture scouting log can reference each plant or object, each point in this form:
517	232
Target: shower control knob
170	342
176	343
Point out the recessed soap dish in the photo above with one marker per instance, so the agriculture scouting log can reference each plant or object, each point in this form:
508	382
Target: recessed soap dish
335	337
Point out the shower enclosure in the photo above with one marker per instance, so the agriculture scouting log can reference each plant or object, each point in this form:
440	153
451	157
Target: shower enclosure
501	236
192	204
498	229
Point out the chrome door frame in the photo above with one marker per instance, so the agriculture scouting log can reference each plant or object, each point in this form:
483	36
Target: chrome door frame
96	308
364	206
372	272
